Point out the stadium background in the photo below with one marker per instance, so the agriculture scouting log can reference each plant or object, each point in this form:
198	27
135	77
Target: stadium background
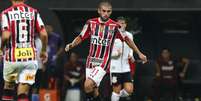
173	24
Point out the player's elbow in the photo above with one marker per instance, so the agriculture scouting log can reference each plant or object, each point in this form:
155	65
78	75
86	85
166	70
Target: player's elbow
43	34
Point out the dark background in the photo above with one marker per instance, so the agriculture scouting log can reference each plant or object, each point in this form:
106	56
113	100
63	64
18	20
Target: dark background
173	24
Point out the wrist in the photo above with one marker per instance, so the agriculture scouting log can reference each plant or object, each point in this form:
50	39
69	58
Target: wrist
139	53
43	49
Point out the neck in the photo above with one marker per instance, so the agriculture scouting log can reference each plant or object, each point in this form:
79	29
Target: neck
17	2
103	19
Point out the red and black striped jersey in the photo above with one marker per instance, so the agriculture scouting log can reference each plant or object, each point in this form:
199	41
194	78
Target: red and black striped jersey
101	37
22	21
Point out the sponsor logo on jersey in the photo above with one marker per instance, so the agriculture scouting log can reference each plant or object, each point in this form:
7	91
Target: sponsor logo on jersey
19	15
99	41
22	53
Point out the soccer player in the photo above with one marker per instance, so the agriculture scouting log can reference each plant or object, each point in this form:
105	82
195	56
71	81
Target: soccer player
102	31
120	68
19	23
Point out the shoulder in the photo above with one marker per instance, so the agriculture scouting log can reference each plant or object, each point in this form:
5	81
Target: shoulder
6	10
92	20
114	23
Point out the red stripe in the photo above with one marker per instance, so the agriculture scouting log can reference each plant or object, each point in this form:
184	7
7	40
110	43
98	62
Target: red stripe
91	51
105	57
32	33
100	35
13	40
107	52
7	97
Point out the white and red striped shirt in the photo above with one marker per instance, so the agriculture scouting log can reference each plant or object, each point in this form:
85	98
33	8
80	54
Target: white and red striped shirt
102	37
22	21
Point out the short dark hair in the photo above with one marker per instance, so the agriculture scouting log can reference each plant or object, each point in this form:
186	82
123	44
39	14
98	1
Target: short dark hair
17	0
104	2
122	18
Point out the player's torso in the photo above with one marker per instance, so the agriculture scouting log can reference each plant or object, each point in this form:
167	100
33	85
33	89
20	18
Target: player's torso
101	41
121	64
21	47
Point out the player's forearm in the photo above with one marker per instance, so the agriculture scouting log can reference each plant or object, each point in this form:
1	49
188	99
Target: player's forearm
185	68
132	45
5	38
75	42
157	68
44	40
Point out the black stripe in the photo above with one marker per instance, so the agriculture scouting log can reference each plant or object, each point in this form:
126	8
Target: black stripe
28	26
35	14
28	30
17	26
8	21
95	45
105	37
111	47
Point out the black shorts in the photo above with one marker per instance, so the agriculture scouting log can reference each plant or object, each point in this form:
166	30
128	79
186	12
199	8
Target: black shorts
120	78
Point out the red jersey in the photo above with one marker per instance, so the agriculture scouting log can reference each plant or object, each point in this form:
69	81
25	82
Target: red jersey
22	21
102	37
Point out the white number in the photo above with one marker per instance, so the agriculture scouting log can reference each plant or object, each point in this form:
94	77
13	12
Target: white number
22	32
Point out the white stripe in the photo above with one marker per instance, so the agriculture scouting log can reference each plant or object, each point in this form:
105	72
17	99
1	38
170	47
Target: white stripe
40	22
4	21
84	30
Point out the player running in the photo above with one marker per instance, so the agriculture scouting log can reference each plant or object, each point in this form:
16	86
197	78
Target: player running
101	31
19	23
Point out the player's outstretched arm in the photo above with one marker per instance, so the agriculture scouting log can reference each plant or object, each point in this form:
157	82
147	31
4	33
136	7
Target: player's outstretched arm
75	42
132	45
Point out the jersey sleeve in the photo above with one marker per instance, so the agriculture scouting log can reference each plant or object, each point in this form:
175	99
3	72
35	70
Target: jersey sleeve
39	23
5	25
119	34
85	33
131	37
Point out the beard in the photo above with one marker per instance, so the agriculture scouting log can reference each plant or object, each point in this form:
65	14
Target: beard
104	18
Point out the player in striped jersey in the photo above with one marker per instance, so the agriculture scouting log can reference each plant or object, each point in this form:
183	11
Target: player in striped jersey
101	31
19	23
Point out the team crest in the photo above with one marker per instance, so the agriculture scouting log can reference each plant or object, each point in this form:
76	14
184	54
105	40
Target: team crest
114	79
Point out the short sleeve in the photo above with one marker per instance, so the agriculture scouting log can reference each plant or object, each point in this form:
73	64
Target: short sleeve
119	34
85	33
39	23
4	22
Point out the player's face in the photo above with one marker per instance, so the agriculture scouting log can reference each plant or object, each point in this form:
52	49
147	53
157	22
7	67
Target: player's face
165	54
105	12
123	24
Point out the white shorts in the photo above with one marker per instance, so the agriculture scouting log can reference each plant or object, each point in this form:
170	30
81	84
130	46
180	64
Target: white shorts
22	72
96	74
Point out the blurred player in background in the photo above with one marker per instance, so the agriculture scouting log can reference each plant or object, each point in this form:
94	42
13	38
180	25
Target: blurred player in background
120	68
19	23
101	31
